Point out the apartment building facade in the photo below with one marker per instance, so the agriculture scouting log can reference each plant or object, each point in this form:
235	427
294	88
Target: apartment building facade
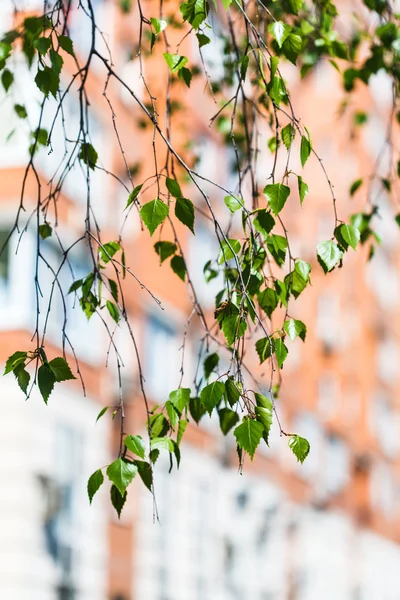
326	529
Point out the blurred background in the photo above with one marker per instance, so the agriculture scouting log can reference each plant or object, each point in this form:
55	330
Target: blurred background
328	529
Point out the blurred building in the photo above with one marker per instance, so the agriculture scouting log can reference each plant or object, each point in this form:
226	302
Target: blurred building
327	529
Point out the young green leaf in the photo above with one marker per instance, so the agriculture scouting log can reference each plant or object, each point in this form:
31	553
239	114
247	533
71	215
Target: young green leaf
248	435
227	419
295	328
165	250
233	327
268	301
281	352
95	482
14	360
211	395
60	369
300	447
21	111
196	409
350	234
178	266
23	377
102	412
184	211
162	443
117	499
88	155
154	213
113	310
181	430
121	473
173	187
210	364
233	203
264	413
264	222
265	348
175	61
355	185
66	44
136	445
232	392
45	231
180	398
158	25
280	31
228	250
287	134
329	255
305	150
46	381
145	472
133	195
276	194
7	79
303	189
292	47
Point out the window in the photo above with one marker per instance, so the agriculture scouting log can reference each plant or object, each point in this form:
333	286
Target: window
162	358
203	247
336	465
328	316
329	394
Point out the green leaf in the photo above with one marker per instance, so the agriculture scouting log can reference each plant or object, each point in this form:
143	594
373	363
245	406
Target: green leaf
300	447
117	499
203	39
175	61
355	185
121	473
135	444
45	230
42	45
75	286
162	443
95	482
264	222
231	391
186	75
5	51
194	11
295	328
287	134
184	211
248	435
165	250
113	289
233	327
211	395
21	111
173	187
22	376
158	25
276	194
133	195
329	255
181	430
305	150
233	203
350	234
154	213
268	301
145	473
227	419
277	246
280	31
66	44
159	425
295	6
46	381
7	79
173	414
41	136
265	348
88	155
264	413
226	253
14	360
102	412
281	352
210	364
108	250
292	47
244	64
303	189
196	409
180	399
179	267
60	369
48	81
113	310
